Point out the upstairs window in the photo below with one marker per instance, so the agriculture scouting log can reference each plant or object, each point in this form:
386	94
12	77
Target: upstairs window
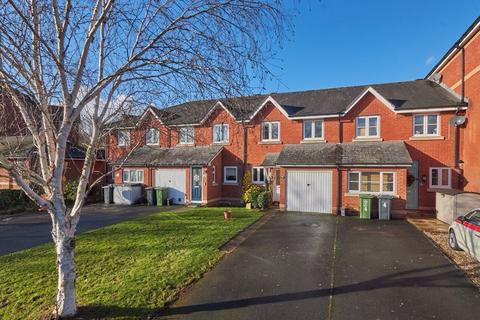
186	135
132	176
312	129
440	177
258	175
270	131
123	138
152	136
367	127
426	125
220	133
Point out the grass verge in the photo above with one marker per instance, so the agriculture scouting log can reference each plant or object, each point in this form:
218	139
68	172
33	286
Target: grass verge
124	271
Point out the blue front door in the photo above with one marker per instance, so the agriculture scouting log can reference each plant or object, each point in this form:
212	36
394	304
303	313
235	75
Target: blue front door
196	184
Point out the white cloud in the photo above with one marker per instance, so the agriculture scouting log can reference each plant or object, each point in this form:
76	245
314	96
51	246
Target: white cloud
430	60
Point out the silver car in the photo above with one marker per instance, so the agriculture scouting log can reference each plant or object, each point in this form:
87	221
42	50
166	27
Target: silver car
464	233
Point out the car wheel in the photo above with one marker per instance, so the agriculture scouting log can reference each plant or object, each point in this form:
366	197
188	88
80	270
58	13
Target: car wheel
452	241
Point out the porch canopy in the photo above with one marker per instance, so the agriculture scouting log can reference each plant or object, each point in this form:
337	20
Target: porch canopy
388	153
174	157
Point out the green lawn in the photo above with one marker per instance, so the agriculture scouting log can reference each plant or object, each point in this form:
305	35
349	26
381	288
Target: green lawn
125	271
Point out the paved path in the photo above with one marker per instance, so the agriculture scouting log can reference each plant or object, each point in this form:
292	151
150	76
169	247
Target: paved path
307	266
18	232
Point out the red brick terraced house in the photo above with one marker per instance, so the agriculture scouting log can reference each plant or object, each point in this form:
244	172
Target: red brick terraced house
320	149
459	70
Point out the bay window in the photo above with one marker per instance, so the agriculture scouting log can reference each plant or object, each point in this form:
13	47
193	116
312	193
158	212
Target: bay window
270	131
371	182
220	133
312	129
367	127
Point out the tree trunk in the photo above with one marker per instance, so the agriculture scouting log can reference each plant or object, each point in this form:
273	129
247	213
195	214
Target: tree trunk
66	305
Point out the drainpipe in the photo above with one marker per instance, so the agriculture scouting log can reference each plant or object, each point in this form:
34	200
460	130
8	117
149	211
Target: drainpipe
339	173
456	133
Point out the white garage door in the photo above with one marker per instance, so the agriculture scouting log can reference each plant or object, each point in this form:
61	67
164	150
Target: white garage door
309	191
175	181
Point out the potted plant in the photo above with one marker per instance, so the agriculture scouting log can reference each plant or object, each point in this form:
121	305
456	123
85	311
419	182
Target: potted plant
227	214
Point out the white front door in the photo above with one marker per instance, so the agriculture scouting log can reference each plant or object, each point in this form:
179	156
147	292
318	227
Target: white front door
175	181
309	191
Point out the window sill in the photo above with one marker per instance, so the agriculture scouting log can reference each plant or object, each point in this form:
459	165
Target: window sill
230	183
367	139
354	194
186	145
437	188
270	142
420	138
313	141
221	143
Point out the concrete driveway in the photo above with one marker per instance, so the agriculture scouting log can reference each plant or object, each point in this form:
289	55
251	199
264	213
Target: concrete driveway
310	266
18	232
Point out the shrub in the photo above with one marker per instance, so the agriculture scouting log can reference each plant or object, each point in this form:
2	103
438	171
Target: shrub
246	185
10	199
70	191
250	195
263	200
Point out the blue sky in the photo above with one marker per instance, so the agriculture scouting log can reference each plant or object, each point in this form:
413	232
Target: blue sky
349	42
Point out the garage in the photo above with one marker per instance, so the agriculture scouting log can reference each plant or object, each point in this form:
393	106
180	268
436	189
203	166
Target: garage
309	191
175	181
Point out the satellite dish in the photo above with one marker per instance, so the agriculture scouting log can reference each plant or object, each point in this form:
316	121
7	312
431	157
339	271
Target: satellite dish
457	120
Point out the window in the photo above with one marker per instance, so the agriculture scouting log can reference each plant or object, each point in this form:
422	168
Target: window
371	182
186	135
440	177
123	138
230	175
152	136
214	175
426	125
132	175
220	133
258	175
367	127
270	131
312	129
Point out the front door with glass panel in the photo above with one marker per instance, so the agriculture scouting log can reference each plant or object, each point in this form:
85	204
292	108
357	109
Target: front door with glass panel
276	188
196	184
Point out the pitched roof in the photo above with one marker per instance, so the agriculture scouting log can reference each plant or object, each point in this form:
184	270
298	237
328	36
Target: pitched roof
346	154
179	156
22	147
403	96
270	159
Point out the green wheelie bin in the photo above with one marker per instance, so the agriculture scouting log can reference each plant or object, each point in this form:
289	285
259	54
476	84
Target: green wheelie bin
367	206
161	193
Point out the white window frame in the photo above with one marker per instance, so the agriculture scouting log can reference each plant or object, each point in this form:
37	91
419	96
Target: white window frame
381	182
127	142
269	124
313	129
190	135
154	143
225	138
225	175
258	181
440	186
129	175
425	125
367	127
214	174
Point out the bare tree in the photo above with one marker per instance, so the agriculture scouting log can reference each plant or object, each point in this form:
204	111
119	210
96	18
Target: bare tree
84	56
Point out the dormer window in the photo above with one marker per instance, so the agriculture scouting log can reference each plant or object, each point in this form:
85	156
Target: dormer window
271	131
368	127
123	138
312	129
152	136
